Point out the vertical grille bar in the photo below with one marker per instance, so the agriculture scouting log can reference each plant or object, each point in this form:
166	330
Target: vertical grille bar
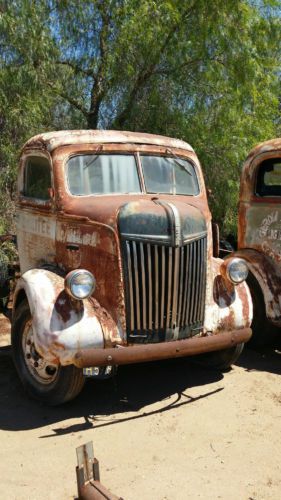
156	281
203	278
150	300
194	283
189	283
187	256
197	291
181	280
130	279
142	266
137	288
169	288
163	265
175	287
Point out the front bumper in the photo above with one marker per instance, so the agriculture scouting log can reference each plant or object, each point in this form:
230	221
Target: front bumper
151	352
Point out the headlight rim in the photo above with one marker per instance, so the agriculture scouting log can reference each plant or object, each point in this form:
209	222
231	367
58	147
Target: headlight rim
228	265
69	278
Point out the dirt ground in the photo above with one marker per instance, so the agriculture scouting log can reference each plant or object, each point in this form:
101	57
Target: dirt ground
161	431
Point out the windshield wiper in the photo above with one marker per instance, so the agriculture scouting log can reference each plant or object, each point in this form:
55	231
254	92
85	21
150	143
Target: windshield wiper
94	158
178	162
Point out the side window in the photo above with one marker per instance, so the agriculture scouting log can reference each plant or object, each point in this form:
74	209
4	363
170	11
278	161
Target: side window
269	178
37	178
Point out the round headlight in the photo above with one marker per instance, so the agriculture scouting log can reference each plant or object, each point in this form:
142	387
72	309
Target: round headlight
80	284
237	270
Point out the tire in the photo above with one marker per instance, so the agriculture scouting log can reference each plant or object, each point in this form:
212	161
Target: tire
50	384
221	360
264	332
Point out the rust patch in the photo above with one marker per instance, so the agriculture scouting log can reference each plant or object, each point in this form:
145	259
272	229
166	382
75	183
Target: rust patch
64	304
224	292
109	326
83	232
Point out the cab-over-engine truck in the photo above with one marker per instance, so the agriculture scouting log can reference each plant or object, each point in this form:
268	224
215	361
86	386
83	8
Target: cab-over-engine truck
259	238
115	246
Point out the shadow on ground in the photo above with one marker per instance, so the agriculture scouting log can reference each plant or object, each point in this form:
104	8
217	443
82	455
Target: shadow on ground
267	359
133	388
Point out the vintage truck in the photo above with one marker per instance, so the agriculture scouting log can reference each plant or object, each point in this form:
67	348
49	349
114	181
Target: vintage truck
259	237
115	246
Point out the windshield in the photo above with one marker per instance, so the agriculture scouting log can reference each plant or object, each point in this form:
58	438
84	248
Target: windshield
169	175
118	173
103	174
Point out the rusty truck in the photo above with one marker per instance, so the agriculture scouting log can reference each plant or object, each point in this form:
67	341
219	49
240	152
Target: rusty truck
118	261
259	237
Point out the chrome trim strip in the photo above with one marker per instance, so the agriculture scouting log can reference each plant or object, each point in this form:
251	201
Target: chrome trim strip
177	224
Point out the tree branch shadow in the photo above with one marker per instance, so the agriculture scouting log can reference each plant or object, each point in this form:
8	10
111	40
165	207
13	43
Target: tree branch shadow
266	359
101	402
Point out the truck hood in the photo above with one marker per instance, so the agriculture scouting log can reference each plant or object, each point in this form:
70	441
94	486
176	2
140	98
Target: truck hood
160	219
170	222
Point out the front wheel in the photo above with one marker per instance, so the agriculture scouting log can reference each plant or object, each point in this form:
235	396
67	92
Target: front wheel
44	381
221	360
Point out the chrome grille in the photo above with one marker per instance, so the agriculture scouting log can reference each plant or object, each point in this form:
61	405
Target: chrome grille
165	289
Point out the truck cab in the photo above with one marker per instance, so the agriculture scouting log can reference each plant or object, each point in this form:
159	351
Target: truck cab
259	237
115	246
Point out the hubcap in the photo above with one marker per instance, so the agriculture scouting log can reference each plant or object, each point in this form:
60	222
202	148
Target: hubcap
40	369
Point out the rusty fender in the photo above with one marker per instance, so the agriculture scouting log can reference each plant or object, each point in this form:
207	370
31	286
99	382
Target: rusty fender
268	276
61	326
164	350
228	307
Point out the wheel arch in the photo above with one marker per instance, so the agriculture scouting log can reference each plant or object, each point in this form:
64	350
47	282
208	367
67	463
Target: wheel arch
60	324
19	297
268	277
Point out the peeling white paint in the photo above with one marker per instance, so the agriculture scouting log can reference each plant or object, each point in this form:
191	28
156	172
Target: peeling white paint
71	235
55	337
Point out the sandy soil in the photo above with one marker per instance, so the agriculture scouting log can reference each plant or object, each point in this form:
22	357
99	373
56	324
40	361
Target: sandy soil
161	431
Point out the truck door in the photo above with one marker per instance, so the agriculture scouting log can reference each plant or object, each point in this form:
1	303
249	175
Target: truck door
263	229
36	222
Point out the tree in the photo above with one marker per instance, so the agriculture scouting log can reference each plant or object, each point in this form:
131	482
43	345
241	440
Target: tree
205	72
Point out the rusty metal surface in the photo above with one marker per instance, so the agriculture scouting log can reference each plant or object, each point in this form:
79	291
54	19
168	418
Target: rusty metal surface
164	350
52	140
268	275
255	212
259	228
94	490
88	476
227	307
79	217
71	232
267	149
61	326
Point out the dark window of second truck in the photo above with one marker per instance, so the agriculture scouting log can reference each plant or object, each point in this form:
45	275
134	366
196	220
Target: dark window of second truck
269	178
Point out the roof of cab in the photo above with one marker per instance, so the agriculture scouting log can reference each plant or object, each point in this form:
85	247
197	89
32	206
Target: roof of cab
249	167
52	140
264	147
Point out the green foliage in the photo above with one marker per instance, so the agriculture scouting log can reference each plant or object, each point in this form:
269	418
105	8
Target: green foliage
208	72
